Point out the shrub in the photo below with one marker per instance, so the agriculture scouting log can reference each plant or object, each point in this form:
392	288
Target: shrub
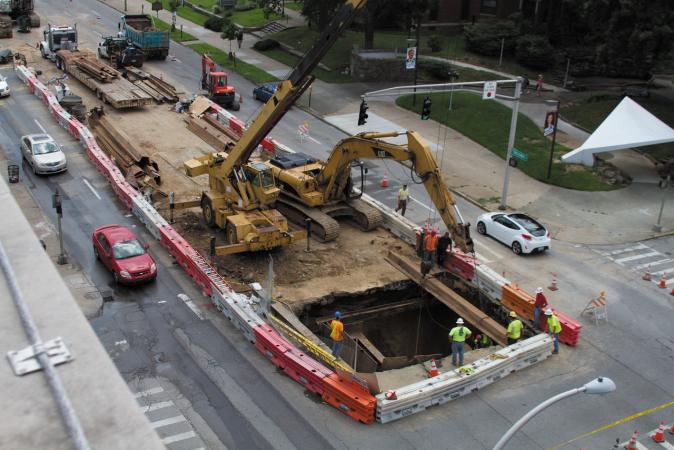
217	9
214	23
244	6
437	70
534	51
484	38
266	44
435	43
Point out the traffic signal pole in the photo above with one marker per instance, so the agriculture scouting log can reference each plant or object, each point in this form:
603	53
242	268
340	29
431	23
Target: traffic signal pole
511	143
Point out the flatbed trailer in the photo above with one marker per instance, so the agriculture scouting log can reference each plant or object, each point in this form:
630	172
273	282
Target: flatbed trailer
109	85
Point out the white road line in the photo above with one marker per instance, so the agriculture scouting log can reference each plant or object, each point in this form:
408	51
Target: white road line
40	126
486	247
91	188
161	301
309	137
659	272
169	421
154	390
482	258
641	256
422	204
178	437
191	305
654	263
156	406
667	445
641	446
624	250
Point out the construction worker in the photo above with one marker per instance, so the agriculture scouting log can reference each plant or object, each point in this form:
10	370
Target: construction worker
514	328
540	304
554	328
337	334
430	245
444	243
403	196
458	336
481	341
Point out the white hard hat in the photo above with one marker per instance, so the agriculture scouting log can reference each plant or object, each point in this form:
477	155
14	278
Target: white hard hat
459	321
548	312
539	290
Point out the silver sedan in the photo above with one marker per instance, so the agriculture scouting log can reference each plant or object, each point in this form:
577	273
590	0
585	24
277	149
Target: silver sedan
43	154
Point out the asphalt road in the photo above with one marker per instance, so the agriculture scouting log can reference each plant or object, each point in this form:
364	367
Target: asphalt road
636	348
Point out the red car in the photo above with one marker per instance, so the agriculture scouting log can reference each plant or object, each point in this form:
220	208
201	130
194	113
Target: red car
123	254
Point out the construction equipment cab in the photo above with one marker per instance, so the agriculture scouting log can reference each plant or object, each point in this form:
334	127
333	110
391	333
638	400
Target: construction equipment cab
58	38
120	52
216	85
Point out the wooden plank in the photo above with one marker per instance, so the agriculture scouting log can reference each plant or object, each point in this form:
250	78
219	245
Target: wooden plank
369	346
444	294
290	317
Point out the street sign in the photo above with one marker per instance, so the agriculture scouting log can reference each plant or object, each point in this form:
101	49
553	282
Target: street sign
489	91
519	154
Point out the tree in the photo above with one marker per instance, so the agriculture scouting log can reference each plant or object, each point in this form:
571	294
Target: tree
229	31
319	12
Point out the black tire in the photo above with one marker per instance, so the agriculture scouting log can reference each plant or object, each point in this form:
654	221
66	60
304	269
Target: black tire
207	211
516	248
255	96
235	105
115	277
98	257
230	232
44	55
481	228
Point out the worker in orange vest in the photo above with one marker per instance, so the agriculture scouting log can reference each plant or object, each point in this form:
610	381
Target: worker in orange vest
430	245
337	334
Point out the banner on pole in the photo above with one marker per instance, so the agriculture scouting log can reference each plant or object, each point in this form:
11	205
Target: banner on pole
411	58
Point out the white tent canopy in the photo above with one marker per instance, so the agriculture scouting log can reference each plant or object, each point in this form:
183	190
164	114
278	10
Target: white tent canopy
629	125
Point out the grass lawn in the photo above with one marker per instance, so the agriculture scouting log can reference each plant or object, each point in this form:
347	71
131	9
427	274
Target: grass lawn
248	71
290	60
295	6
591	114
302	39
175	35
206	4
488	123
186	13
253	18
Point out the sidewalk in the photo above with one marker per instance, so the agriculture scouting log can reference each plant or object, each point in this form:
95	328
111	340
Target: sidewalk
619	216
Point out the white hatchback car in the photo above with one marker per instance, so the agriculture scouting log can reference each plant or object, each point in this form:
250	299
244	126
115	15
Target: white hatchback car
4	86
43	154
518	231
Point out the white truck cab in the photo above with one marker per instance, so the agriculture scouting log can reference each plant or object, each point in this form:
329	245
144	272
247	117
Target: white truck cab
58	38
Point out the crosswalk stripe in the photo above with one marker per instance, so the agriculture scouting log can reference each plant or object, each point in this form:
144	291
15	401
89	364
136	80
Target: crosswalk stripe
624	250
641	447
169	421
664	271
178	437
667	445
654	263
156	406
154	390
635	257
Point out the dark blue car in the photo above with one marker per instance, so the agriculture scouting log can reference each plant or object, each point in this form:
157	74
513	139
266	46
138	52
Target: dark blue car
264	92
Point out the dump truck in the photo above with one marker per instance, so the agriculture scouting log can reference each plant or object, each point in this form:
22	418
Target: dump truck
106	82
141	32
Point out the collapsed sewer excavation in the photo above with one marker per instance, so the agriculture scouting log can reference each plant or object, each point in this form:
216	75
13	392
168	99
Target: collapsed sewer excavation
394	326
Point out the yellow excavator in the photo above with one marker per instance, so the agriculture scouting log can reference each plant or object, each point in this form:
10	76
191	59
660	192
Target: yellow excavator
316	189
241	192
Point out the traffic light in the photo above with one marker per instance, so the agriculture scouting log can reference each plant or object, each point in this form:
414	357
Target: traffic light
426	109
362	115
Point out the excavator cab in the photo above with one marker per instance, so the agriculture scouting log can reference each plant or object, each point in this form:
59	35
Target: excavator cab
262	180
216	85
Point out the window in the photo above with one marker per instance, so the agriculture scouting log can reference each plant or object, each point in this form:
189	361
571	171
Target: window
510	224
104	243
42	148
529	224
127	249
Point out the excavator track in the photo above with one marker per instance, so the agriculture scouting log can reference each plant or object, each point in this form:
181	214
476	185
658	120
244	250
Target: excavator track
324	227
367	217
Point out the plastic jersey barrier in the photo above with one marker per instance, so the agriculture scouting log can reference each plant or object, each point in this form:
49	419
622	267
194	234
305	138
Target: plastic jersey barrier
349	397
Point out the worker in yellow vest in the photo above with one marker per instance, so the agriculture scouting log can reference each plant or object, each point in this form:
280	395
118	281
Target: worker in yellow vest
337	335
514	328
458	336
554	328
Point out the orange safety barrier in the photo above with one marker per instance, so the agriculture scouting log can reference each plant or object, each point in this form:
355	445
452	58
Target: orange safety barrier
350	397
516	299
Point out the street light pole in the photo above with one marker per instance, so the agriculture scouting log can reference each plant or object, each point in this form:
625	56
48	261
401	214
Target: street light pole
554	137
511	142
664	184
57	205
601	385
416	61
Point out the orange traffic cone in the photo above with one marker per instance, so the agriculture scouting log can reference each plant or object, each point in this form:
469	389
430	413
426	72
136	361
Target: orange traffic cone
647	275
553	286
632	444
672	293
671	430
659	435
663	282
434	369
391	395
384	181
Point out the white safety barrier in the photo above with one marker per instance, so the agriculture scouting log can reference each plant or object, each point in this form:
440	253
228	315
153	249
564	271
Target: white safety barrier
489	282
449	386
239	310
148	215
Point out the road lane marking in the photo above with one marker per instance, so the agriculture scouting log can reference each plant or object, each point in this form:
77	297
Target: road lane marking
156	406
191	305
154	390
615	424
169	421
482	258
624	250
40	126
422	204
667	445
161	301
178	437
91	188
654	263
662	272
486	247
633	258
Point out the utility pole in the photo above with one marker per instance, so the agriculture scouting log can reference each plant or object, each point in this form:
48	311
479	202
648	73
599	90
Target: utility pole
416	63
664	185
511	143
554	136
56	204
